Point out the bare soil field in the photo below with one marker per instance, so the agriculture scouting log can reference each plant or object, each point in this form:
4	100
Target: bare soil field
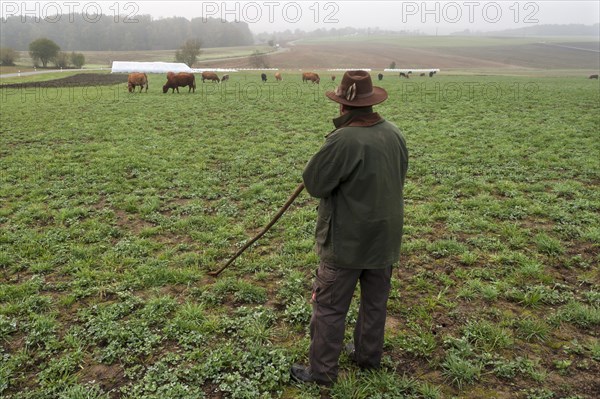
458	55
81	79
381	55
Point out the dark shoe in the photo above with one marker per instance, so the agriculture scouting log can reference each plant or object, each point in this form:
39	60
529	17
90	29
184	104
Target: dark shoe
302	373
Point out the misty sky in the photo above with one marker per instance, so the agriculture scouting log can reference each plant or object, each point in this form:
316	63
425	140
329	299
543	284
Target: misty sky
427	17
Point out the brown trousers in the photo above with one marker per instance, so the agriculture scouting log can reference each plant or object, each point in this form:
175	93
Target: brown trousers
333	289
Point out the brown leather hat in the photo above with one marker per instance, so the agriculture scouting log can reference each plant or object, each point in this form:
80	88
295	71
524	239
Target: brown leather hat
357	90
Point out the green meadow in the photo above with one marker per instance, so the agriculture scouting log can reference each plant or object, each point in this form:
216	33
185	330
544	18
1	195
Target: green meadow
114	206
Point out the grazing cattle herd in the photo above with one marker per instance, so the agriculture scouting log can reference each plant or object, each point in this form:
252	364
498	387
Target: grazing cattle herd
182	79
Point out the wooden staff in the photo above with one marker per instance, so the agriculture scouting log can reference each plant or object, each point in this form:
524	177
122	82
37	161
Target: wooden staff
285	206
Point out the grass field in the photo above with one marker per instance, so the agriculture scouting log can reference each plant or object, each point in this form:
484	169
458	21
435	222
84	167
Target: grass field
114	206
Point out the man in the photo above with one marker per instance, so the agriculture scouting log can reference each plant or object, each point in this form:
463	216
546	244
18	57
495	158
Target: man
358	175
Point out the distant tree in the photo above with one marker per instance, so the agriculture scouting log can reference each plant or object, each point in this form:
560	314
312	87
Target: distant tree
61	60
189	52
43	50
8	56
77	33
393	65
77	59
258	60
271	43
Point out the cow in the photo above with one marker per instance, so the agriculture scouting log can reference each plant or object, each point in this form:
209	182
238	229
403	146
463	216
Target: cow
210	76
404	75
278	76
137	79
423	74
380	76
174	81
593	77
333	78
311	76
263	77
431	74
224	78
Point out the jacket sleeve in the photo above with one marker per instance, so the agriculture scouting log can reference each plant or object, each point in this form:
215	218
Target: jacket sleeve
330	166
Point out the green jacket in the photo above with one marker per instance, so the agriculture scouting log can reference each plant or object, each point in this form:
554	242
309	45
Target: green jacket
359	176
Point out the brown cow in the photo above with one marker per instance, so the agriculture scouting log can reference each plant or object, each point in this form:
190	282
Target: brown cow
278	76
137	79
313	77
224	78
210	76
333	78
593	77
174	81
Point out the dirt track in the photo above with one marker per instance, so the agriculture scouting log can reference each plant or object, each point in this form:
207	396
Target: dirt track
81	79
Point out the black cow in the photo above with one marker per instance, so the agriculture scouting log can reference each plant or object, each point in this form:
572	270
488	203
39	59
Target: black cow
431	74
263	76
380	76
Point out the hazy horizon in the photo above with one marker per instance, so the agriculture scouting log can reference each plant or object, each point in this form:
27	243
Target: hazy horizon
423	17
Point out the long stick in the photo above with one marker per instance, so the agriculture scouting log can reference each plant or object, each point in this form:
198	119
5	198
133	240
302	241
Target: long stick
289	202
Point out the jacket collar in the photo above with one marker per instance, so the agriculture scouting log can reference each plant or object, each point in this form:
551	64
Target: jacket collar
358	117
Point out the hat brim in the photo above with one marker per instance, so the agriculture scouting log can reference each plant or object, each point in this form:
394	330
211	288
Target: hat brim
379	95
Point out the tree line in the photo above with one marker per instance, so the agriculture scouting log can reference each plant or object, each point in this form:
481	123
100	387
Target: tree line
77	33
44	50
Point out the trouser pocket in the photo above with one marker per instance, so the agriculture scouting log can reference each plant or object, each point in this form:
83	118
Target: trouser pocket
323	293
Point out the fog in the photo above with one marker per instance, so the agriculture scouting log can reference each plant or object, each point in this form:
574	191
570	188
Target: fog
424	17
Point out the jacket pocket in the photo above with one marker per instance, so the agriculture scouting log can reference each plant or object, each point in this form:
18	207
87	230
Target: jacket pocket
323	225
322	232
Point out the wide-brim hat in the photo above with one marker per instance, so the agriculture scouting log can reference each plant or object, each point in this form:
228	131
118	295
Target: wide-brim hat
356	89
